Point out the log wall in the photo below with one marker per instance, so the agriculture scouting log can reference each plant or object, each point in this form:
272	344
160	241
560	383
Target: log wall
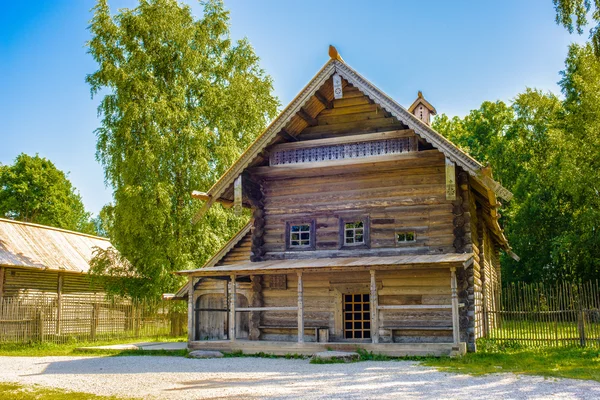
27	282
409	198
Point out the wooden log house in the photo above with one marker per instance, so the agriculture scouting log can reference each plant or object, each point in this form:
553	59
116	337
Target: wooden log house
38	260
369	229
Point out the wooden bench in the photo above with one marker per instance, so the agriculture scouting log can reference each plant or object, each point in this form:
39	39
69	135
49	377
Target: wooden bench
295	328
417	328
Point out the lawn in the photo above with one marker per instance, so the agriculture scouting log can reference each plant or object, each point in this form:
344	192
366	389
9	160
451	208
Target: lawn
11	391
69	349
565	362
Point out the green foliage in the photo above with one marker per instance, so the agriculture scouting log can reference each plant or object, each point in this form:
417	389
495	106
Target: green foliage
181	102
34	190
545	151
567	10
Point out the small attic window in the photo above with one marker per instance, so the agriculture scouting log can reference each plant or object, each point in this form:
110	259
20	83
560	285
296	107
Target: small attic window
300	235
406	237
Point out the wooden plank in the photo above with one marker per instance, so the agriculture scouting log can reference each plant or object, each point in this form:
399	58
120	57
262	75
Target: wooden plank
416	307
259	309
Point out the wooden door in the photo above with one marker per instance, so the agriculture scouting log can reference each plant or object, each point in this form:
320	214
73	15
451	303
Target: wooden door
211	325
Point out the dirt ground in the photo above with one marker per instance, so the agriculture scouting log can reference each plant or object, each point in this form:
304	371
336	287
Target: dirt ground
257	378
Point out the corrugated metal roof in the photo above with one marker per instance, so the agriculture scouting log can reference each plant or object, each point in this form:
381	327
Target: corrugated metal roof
24	244
454	259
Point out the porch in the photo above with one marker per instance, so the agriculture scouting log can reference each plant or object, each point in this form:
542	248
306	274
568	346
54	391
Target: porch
398	306
279	348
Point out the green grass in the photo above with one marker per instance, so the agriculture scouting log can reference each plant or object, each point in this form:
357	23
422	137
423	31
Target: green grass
12	391
566	362
240	353
69	349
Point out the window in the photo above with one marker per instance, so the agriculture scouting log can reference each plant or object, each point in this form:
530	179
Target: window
300	235
405	237
357	316
354	233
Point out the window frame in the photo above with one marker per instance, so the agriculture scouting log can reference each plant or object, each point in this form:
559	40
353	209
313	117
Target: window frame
311	238
366	232
405	242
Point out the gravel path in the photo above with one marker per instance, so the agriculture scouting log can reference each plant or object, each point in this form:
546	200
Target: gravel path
245	378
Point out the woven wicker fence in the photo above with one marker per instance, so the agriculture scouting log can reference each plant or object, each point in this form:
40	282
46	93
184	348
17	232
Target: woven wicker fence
44	318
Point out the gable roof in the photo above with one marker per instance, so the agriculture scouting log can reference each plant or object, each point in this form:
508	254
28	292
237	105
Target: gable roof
338	66
243	233
28	245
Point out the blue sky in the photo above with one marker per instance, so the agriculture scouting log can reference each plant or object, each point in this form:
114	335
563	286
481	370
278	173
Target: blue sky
459	53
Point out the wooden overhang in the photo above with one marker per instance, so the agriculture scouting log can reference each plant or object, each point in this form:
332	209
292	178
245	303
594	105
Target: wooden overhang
307	104
336	264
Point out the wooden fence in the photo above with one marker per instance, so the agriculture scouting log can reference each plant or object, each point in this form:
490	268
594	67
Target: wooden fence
91	317
536	315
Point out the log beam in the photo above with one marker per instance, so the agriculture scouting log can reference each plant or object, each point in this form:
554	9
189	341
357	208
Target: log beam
232	327
323	100
302	113
2	273
374	309
455	321
288	136
59	303
191	310
300	309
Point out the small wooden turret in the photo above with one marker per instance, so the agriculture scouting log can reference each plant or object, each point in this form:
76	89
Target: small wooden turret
422	109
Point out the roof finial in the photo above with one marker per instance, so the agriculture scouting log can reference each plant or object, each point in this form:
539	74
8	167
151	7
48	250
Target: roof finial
333	53
420	94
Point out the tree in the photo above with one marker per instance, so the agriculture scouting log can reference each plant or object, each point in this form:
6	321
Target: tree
521	142
580	177
182	102
34	190
572	14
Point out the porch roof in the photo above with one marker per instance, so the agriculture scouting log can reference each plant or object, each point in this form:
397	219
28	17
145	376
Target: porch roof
345	263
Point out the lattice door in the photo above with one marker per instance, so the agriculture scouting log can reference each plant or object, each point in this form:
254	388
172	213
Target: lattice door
357	316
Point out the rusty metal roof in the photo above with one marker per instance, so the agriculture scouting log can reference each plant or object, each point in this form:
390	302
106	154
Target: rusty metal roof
23	244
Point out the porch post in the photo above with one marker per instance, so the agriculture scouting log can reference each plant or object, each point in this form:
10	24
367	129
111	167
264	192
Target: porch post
374	309
455	321
300	309
191	336
232	327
